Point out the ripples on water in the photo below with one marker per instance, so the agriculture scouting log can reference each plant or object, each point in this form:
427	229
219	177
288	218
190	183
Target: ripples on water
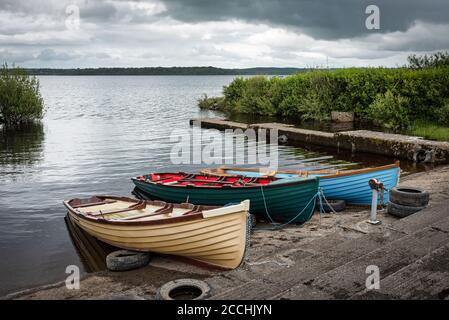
97	133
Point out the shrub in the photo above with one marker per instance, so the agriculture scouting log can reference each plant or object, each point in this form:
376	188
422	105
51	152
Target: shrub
249	96
235	90
210	103
318	97
390	111
392	97
290	93
442	114
256	97
436	60
20	99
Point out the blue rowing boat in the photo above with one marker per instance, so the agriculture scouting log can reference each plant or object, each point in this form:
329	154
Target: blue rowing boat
349	185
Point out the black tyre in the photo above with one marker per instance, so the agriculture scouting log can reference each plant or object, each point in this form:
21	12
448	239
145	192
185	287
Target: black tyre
184	289
336	205
123	260
402	211
412	197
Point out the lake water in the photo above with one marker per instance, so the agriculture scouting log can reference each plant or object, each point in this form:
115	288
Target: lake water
97	133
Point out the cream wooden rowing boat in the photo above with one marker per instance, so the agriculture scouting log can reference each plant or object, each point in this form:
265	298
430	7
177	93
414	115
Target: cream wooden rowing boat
216	236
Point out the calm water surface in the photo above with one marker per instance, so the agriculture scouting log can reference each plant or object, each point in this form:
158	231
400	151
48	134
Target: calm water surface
96	134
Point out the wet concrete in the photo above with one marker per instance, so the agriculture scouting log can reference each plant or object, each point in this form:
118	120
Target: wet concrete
388	144
326	258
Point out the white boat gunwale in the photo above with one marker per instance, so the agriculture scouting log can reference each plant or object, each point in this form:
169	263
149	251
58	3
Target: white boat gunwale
197	212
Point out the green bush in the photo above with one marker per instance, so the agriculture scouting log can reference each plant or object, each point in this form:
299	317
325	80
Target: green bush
20	99
210	103
443	114
252	95
436	60
392	97
290	92
390	111
234	91
318	97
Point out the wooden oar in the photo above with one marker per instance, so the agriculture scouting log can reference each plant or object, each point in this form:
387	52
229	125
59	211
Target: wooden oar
219	182
209	182
202	180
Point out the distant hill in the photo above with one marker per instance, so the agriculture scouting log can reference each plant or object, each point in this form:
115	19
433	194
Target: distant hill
164	71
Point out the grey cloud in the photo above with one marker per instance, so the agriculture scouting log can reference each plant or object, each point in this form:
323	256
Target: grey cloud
322	19
421	37
122	33
49	7
50	54
12	57
102	55
98	11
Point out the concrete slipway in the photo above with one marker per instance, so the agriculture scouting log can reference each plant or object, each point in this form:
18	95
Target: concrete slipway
325	258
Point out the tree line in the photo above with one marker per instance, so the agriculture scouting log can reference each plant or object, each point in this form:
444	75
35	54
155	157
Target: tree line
162	71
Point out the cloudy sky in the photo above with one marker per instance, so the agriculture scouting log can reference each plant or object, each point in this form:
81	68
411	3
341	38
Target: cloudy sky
231	33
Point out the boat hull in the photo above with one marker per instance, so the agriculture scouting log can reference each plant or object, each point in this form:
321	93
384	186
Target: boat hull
218	241
351	185
354	189
283	201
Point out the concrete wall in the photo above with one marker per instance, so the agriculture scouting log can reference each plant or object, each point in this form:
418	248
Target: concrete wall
387	144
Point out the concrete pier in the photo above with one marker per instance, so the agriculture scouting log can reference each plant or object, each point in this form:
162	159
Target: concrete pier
387	144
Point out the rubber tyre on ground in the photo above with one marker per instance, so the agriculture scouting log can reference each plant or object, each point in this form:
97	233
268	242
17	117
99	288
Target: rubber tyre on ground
123	260
337	205
412	197
401	211
166	291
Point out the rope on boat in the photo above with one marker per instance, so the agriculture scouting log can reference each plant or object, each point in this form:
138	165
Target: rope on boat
277	225
328	204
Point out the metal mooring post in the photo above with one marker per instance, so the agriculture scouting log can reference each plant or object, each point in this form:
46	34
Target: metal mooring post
376	186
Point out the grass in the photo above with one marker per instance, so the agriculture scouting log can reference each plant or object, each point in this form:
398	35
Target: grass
430	131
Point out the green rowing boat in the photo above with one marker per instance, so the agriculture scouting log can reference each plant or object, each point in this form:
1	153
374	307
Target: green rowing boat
286	200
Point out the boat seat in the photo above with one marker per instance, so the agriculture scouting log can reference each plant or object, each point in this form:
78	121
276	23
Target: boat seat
164	210
137	206
92	204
